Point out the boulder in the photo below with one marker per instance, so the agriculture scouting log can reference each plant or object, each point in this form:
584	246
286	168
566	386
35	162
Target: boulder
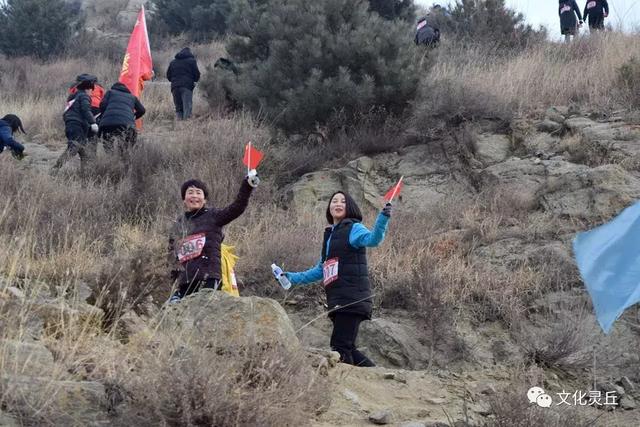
21	358
567	189
550	126
429	176
219	321
393	343
381	417
492	148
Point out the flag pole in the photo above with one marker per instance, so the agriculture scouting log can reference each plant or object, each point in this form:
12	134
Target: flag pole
395	190
248	157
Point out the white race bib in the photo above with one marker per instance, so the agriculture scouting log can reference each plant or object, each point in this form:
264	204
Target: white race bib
565	8
330	271
191	247
591	5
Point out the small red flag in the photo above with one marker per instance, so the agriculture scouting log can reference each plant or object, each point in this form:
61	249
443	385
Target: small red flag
394	191
252	157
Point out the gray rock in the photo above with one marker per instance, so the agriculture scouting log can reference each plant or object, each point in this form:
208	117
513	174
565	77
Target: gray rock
609	387
381	417
352	397
413	424
626	383
21	358
627	402
389	376
549	126
248	321
557	114
394	344
492	148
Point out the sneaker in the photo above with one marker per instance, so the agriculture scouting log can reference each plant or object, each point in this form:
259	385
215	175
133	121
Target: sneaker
174	299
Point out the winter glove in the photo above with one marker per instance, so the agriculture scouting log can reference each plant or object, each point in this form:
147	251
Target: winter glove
18	154
94	128
386	211
252	178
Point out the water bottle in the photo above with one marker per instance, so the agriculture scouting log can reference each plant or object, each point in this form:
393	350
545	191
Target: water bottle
280	276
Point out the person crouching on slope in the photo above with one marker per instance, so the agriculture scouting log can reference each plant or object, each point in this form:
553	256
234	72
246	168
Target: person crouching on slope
567	10
343	271
9	125
196	236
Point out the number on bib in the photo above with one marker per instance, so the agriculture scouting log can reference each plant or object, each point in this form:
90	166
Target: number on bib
191	247
330	271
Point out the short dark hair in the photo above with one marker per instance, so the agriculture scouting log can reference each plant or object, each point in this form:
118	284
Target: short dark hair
194	183
14	122
85	84
351	208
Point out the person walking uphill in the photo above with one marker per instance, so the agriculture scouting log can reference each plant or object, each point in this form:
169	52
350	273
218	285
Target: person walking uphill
567	10
196	236
120	109
183	73
9	125
596	11
78	121
343	271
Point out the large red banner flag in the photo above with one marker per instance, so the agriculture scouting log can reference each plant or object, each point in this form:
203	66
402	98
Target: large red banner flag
137	65
252	157
394	191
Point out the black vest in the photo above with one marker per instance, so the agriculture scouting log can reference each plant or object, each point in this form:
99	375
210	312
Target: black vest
353	279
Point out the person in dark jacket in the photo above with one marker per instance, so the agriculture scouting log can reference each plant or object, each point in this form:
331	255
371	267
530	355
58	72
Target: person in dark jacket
119	111
9	125
343	271
426	34
568	10
596	11
78	122
196	236
183	73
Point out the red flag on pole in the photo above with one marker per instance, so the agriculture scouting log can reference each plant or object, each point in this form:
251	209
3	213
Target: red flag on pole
252	157
137	65
394	191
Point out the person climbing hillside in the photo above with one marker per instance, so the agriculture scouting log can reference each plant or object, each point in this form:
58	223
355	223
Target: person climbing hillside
426	34
78	122
120	109
183	73
96	94
9	125
195	238
596	11
568	10
343	271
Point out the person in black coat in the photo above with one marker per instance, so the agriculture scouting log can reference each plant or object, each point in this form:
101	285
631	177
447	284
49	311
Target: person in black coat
9	125
183	73
78	122
567	10
596	10
342	268
120	109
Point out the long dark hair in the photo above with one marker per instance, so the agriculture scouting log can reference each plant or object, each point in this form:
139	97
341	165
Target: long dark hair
351	208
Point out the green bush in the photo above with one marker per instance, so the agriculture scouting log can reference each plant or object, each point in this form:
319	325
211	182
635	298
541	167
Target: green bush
392	9
200	19
487	22
40	28
302	62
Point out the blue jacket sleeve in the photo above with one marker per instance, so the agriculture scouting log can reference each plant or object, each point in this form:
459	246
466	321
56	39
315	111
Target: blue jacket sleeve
361	237
7	139
306	277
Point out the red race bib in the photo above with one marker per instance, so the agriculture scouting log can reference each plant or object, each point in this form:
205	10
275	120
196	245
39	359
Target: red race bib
191	247
330	271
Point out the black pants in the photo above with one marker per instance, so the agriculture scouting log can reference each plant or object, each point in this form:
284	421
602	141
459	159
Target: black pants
124	137
343	339
189	288
77	143
183	100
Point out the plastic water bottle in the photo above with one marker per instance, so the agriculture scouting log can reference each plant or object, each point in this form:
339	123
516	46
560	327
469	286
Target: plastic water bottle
280	276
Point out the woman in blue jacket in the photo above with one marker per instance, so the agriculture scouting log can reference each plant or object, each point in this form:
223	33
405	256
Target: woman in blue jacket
9	125
343	271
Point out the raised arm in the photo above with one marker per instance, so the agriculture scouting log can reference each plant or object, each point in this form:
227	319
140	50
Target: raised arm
234	210
361	237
